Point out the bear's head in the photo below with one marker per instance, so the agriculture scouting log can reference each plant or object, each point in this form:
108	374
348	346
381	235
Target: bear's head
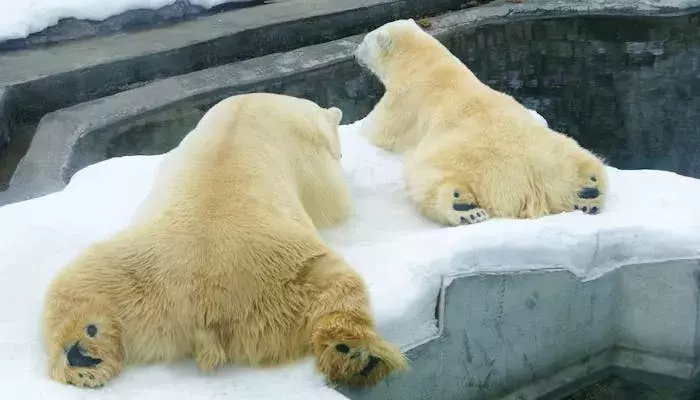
316	127
391	45
332	118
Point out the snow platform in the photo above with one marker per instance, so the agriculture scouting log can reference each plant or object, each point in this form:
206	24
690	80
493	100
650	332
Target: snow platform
502	308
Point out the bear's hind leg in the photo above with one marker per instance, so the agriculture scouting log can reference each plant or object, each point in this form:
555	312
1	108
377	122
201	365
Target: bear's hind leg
348	349
83	340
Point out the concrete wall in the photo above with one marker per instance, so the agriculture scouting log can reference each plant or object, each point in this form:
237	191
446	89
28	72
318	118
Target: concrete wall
523	335
625	88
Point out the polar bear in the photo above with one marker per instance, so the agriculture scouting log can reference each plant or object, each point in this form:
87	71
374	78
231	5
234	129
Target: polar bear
470	152
222	262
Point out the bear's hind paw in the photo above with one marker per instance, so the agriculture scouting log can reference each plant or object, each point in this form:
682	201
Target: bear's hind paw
468	213
588	200
78	368
350	353
86	354
463	211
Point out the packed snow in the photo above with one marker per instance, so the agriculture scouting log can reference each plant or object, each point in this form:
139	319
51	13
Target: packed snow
651	216
20	18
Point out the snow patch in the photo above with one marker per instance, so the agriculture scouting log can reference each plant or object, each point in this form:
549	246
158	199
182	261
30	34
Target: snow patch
19	19
651	216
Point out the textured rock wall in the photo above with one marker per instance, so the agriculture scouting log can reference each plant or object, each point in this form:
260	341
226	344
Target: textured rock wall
628	89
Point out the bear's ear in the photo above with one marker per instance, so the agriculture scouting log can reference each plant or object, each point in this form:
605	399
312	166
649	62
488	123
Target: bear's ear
384	41
335	115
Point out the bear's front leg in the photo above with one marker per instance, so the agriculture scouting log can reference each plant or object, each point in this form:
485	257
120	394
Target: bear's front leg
209	354
84	341
388	130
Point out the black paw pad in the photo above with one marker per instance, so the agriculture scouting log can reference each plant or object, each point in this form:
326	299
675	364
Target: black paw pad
76	357
463	206
594	179
342	348
463	220
594	210
455	194
589	193
371	364
91	330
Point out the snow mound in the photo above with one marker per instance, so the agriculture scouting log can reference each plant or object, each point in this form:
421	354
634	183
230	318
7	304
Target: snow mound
651	216
21	18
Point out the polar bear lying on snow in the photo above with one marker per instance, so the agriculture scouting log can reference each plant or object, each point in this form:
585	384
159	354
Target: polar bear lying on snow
222	262
471	152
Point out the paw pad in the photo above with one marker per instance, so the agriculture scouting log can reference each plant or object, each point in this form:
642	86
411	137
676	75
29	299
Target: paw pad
372	362
76	357
588	210
342	348
91	330
463	206
589	193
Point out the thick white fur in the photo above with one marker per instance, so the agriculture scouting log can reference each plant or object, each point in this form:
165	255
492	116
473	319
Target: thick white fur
471	152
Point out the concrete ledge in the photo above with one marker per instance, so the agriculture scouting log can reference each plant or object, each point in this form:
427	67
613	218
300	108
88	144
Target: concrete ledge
66	74
74	137
43	80
525	335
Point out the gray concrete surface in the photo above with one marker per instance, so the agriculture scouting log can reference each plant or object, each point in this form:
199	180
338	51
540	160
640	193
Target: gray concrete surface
523	335
46	79
74	137
72	29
